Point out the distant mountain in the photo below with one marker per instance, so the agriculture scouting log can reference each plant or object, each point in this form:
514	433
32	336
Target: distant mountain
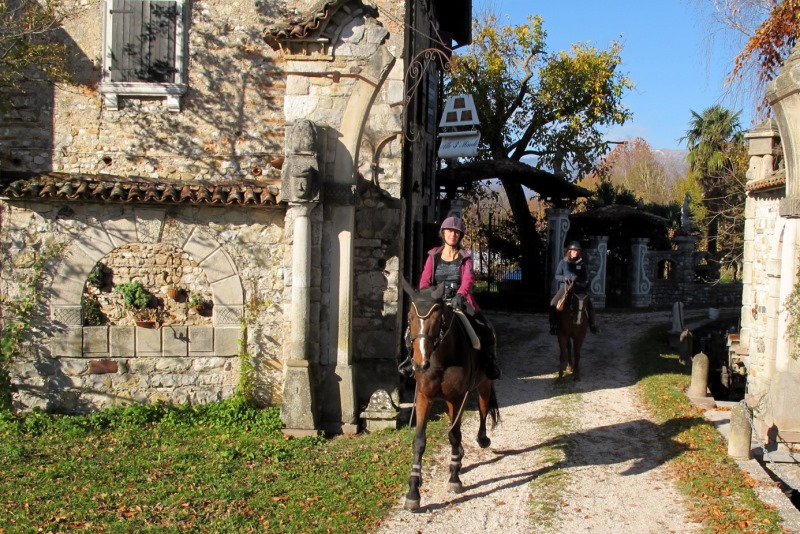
673	159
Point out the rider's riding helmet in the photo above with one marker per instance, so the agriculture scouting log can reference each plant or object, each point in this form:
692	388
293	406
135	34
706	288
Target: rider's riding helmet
574	245
453	223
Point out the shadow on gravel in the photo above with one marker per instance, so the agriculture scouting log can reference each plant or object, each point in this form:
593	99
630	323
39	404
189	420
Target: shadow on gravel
635	446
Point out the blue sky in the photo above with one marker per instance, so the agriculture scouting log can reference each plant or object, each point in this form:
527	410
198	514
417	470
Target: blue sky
667	54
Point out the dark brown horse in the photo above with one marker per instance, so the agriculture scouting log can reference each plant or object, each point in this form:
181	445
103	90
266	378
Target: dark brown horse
572	319
446	366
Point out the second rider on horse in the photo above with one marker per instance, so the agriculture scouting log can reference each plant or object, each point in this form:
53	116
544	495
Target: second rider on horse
452	265
572	270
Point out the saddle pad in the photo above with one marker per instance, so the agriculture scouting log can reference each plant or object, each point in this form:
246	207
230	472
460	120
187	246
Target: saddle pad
473	337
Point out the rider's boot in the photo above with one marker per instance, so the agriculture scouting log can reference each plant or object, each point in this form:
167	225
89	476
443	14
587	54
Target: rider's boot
493	372
553	325
592	325
406	367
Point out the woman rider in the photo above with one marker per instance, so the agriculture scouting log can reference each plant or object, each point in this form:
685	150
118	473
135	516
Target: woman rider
452	265
572	268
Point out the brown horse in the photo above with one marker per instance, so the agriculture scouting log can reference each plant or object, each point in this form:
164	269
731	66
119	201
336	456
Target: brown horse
572	319
446	366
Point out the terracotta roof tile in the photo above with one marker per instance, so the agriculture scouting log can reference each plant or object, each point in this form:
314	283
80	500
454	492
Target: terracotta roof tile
304	25
775	180
107	188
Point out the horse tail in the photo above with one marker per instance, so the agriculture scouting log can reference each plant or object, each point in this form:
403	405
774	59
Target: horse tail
494	408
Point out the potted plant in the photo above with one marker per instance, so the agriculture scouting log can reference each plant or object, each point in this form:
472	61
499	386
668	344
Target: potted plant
199	303
137	300
174	292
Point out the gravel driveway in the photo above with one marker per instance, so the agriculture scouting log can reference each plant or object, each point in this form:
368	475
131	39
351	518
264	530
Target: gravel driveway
568	456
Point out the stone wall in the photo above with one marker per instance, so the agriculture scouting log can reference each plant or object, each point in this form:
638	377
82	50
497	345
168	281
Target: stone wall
158	268
237	256
761	272
230	125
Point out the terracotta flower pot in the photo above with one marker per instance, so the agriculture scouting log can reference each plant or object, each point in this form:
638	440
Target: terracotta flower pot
145	324
173	292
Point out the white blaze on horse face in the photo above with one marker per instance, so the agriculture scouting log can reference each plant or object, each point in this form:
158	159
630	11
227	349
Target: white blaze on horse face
423	348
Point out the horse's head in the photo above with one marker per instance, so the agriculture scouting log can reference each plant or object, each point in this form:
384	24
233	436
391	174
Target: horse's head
425	322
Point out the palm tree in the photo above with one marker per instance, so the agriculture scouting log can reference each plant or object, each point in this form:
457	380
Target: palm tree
715	141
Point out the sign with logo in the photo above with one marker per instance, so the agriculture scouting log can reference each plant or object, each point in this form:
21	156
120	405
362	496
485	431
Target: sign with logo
459	144
459	110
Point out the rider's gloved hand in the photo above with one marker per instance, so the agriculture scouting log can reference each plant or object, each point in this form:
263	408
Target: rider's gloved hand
459	302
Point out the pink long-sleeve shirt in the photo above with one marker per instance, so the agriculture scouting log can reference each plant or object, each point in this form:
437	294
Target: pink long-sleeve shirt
466	270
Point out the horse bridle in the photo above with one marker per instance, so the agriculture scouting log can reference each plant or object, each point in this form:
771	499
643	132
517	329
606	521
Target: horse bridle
434	340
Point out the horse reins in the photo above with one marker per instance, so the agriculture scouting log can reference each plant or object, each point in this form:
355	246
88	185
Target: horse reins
435	341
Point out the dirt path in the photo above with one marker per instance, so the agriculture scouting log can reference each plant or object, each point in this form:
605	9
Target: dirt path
568	457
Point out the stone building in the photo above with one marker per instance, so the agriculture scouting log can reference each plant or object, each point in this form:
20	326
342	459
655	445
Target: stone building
277	158
766	350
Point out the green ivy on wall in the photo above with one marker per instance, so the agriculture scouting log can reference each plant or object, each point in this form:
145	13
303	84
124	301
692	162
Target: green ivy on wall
18	314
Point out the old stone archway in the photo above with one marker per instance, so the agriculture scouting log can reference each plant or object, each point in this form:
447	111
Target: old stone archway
108	365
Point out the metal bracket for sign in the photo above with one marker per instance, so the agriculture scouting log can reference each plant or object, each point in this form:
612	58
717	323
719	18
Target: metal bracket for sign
417	68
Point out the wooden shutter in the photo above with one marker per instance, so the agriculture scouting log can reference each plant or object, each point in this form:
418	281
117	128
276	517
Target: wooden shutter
143	41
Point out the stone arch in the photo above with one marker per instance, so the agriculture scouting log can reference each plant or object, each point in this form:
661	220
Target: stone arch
144	226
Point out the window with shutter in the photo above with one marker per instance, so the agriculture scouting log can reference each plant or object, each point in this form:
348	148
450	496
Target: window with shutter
144	42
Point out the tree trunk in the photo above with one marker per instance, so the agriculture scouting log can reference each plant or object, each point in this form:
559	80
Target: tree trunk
529	239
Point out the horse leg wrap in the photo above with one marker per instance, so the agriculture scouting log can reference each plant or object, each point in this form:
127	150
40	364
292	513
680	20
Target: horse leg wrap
415	471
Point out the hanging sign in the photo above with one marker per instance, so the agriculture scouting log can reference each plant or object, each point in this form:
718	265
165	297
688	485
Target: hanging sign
459	110
459	144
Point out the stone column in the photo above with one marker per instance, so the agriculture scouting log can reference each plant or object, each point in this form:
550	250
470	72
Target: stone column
340	201
597	285
298	411
557	227
685	266
640	284
783	94
300	186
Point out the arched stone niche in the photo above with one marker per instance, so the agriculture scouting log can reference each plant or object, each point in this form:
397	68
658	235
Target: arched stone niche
72	340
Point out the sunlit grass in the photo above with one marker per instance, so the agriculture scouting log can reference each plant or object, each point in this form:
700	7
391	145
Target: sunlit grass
721	496
221	468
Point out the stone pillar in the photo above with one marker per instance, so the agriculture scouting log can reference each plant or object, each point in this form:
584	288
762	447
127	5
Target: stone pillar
685	268
597	285
741	434
698	389
557	228
340	203
783	94
640	283
300	186
763	148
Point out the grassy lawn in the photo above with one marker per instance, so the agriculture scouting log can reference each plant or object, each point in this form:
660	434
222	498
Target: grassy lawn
217	468
226	467
720	494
